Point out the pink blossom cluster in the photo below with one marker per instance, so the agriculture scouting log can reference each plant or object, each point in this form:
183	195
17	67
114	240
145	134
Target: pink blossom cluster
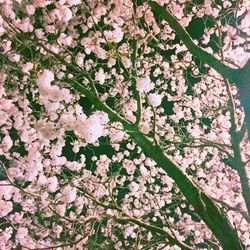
83	83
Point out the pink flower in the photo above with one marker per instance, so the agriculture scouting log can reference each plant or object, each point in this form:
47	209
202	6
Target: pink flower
22	232
144	84
64	39
41	3
45	78
5	207
114	36
80	59
126	62
73	2
27	67
52	183
90	129
134	187
5	236
66	13
69	194
154	99
103	165
14	57
41	180
30	9
129	166
57	230
129	231
61	209
100	76
111	62
143	170
39	33
7	192
7	143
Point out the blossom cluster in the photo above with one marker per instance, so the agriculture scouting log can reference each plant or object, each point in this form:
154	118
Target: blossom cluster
82	84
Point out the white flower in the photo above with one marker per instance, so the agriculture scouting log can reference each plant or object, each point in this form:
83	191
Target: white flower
144	84
154	99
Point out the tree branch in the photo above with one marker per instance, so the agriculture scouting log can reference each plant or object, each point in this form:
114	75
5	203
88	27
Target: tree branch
239	166
126	218
208	211
238	76
153	230
224	204
195	50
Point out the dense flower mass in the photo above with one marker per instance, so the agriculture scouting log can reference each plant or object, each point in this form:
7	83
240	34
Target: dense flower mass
90	129
124	124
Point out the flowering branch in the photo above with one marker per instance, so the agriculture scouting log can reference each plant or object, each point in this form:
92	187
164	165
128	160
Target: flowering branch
203	205
80	43
192	47
237	76
224	204
153	229
126	218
